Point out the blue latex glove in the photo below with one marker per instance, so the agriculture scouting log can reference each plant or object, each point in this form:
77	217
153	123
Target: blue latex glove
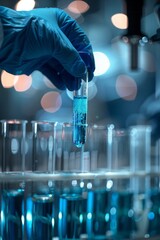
47	40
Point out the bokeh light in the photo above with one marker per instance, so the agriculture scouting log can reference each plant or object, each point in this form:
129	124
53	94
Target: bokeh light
23	83
102	63
37	83
8	80
126	87
92	90
120	21
25	5
51	101
76	16
78	6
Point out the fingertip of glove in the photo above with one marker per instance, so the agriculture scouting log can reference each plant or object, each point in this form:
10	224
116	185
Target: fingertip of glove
78	68
90	76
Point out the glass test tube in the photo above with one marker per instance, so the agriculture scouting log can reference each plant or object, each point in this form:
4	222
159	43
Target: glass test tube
140	153
12	214
14	145
43	146
80	108
71	155
72	215
43	218
98	147
120	150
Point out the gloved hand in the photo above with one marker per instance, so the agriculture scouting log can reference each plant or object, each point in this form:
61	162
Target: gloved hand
48	40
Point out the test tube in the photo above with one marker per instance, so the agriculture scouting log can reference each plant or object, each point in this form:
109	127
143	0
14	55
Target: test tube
43	146
14	145
72	215
71	155
140	162
43	218
12	214
12	202
80	108
98	147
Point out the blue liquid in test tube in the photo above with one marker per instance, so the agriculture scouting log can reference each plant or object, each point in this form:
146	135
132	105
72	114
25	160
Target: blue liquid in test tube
80	120
43	220
72	216
12	214
80	109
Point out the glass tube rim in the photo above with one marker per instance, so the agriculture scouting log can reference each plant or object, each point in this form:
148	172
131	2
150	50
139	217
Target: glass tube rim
14	121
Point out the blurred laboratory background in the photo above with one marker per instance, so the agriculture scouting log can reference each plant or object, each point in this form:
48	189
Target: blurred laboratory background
127	65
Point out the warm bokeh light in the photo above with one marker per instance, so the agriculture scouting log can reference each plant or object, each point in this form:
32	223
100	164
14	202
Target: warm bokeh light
23	83
120	20
102	63
8	80
51	101
126	87
78	6
76	16
25	5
